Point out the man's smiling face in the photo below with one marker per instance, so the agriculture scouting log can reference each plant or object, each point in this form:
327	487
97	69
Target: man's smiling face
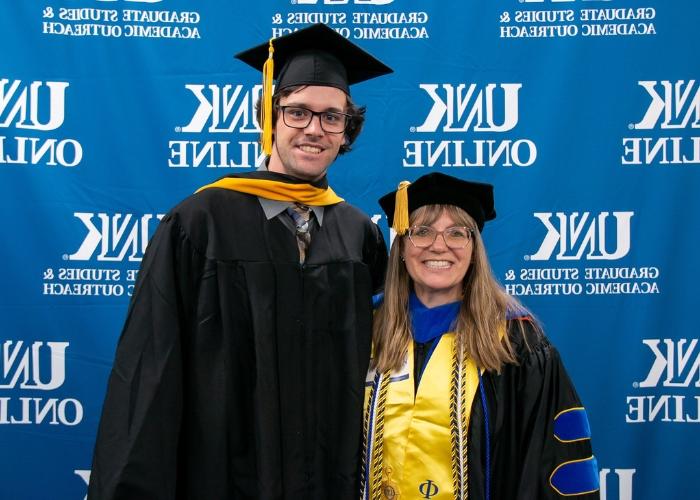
307	153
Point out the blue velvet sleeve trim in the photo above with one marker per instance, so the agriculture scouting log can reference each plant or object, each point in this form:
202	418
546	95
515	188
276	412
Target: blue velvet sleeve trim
577	477
572	425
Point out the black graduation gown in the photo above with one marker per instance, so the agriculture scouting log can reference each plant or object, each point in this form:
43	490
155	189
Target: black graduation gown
523	402
240	373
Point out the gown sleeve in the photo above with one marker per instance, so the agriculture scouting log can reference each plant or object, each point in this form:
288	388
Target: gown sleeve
553	437
543	447
136	449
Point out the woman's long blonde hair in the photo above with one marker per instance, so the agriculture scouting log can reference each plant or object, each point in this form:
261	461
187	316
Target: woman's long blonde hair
481	315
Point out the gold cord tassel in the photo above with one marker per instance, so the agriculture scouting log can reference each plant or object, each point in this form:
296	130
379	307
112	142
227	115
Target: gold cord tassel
266	125
401	208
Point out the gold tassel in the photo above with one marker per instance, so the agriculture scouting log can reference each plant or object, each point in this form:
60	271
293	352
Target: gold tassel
401	209
266	125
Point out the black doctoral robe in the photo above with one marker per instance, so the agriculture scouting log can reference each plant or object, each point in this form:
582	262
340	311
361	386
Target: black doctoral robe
239	373
534	452
523	402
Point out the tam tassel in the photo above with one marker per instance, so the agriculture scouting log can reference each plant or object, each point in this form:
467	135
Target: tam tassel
266	115
401	208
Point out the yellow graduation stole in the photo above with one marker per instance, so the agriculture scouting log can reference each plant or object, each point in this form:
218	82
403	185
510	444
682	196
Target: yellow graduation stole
306	194
415	444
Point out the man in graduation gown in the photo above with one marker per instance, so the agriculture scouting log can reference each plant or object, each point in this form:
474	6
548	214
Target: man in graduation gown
239	372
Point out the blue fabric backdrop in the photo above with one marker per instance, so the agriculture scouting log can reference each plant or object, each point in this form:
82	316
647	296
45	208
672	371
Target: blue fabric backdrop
584	114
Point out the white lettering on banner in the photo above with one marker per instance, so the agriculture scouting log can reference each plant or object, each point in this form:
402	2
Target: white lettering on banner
225	109
477	153
84	475
624	477
574	236
664	150
636	14
38	106
571	30
110	238
676	365
546	22
606	288
642	409
22	369
412	32
674	105
86	289
363	32
464	107
161	16
618	29
681	364
131	22
20	362
382	18
679	105
32	151
116	236
588	233
560	16
303	18
54	411
118	31
88	282
215	154
367	24
221	109
87	14
16	99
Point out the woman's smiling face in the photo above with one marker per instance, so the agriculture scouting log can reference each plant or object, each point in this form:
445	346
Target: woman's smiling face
437	270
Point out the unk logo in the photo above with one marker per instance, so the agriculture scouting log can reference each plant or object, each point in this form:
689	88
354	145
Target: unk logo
676	363
570	236
223	109
37	106
114	237
673	105
342	2
23	363
623	477
493	108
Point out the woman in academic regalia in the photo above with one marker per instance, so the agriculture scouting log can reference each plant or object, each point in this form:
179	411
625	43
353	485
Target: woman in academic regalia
465	397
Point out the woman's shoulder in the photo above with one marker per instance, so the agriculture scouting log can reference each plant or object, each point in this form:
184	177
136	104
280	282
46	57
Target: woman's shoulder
527	338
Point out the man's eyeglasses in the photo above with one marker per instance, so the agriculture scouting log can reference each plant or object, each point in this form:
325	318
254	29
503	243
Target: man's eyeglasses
455	236
332	122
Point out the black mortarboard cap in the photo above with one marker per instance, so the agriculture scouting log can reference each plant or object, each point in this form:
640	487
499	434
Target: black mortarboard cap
475	198
316	55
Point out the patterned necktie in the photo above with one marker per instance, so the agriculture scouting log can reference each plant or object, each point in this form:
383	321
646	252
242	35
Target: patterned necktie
301	214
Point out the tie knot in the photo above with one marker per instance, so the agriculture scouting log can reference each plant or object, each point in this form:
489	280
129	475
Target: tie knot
301	215
303	210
